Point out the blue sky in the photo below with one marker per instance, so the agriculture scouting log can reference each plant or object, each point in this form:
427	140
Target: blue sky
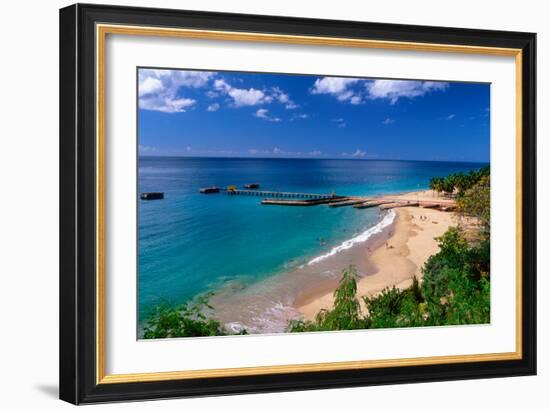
228	114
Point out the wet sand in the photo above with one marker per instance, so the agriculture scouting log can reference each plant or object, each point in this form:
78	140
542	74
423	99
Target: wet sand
395	262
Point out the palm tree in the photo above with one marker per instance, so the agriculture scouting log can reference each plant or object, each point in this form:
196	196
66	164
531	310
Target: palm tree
436	184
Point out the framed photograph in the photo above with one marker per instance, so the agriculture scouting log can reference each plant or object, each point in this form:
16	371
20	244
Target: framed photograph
257	203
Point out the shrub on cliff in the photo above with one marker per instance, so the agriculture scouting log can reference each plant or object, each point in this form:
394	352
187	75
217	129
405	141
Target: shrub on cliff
185	320
346	311
395	308
456	282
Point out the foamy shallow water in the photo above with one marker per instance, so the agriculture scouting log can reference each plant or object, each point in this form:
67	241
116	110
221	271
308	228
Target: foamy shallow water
268	306
386	221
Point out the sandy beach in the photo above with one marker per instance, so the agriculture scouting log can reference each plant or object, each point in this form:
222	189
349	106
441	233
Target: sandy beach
391	255
397	260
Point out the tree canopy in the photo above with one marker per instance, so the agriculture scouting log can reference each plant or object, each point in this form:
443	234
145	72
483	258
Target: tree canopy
458	182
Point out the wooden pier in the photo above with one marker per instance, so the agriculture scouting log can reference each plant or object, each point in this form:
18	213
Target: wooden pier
282	195
271	197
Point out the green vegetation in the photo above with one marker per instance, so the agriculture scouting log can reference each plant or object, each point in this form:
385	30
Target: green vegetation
185	320
458	183
476	202
395	308
346	313
455	287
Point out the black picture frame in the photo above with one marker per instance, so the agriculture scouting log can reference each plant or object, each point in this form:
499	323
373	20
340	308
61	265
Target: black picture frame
78	360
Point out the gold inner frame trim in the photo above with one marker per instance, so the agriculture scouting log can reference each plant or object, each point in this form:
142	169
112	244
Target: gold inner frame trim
102	30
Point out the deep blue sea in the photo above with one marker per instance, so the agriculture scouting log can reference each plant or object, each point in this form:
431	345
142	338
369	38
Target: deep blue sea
190	243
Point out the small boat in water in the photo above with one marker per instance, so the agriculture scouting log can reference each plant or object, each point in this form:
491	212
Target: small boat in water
252	186
211	189
152	196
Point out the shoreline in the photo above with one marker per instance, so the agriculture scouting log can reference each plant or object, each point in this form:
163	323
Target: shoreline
408	248
267	306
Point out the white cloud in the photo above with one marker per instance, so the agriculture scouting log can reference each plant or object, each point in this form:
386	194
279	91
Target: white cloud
280	95
242	97
314	153
357	154
246	97
356	100
344	96
159	90
340	122
299	116
264	114
150	85
341	88
261	113
188	148
269	152
283	98
451	116
395	89
388	121
332	85
213	107
146	149
166	104
348	89
221	85
278	152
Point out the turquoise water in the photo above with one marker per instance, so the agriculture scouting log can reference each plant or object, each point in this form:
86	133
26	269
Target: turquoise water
189	243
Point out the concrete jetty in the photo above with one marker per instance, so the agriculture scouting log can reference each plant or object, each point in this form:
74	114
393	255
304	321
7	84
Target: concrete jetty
370	203
349	202
304	202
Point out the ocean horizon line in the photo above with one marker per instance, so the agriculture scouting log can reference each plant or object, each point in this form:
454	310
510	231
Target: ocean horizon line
314	158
